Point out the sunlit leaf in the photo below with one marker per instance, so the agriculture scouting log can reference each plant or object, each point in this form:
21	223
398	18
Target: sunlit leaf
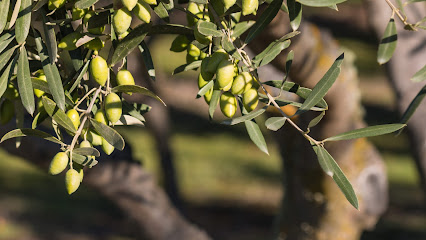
320	3
4	9
270	53
147	59
22	26
58	115
266	17
87	151
136	89
275	123
110	135
295	13
30	132
186	67
5	76
367	132
244	118
241	28
316	120
413	105
83	4
388	43
24	82
420	75
256	135
208	29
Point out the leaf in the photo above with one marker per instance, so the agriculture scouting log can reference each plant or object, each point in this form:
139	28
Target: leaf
39	4
270	53
330	167
244	118
186	67
5	57
22	26
322	87
4	78
413	105
241	28
367	132
87	151
146	55
50	39
266	17
24	132
80	76
200	1
4	9
230	48
320	3
84	160
295	13
40	84
214	101
161	11
130	42
205	89
275	123
388	43
110	135
316	120
129	121
297	89
420	75
57	114
256	135
15	13
83	4
208	29
135	110
5	39
136	89
24	82
52	74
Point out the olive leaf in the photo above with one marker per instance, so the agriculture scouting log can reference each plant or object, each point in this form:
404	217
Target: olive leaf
80	76
388	43
330	167
214	101
110	135
5	39
136	89
419	75
275	123
208	29
271	52
241	28
256	135
22	26
245	117
295	13
161	12
129	121
24	82
413	105
4	9
57	114
40	84
4	78
24	132
5	57
50	39
83	4
188	66
84	160
205	88
266	17
147	59
367	132
320	3
87	151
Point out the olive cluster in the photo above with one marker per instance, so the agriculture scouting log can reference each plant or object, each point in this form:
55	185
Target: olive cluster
219	66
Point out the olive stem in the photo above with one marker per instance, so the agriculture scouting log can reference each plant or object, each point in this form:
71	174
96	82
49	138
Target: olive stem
397	12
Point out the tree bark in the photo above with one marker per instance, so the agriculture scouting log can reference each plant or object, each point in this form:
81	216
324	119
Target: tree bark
409	57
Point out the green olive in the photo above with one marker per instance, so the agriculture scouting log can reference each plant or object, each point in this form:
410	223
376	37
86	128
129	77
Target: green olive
224	73
238	85
215	59
69	41
228	87
85	144
249	81
11	92
106	147
7	110
96	44
193	50
204	78
250	99
94	138
228	104
249	7
113	107
150	2
99	70
58	163
78	13
124	77
143	11
75	118
228	3
179	44
121	20
54	4
201	38
72	180
129	4
100	117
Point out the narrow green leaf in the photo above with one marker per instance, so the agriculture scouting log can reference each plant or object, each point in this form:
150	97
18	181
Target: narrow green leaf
367	132
161	12
4	78
80	76
130	42
39	118
22	26
420	75
135	110
297	89
186	67
413	105
84	160
24	82
330	167
388	43
205	89
322	87
136	89
230	48
241	28
5	39
58	115
4	9
40	84
129	121
275	123
270	53
334	7
50	39
39	4
87	151
266	17
5	57
208	29
284	102
200	1
295	13
316	120
256	136
244	118
320	3
15	13
110	135
24	132
83	4
52	74
214	101
147	59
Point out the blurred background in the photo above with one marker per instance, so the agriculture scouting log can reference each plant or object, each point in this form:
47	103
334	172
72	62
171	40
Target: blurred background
229	187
